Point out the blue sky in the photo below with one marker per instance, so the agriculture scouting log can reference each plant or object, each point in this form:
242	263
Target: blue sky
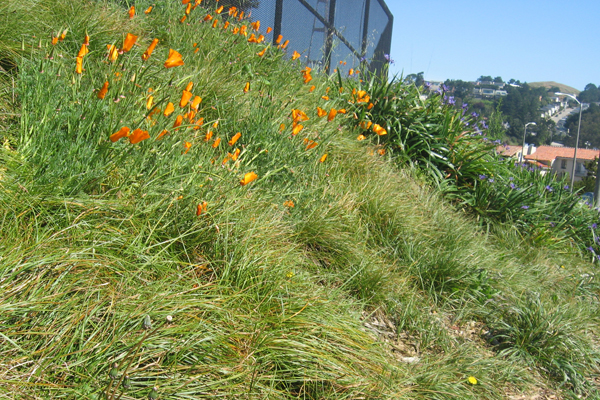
528	40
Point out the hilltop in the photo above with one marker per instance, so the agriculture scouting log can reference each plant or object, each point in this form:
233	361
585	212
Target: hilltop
551	84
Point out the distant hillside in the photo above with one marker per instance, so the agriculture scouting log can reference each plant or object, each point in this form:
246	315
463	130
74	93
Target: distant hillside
551	84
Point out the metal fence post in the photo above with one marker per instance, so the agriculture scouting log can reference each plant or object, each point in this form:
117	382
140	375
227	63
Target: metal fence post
329	42
278	19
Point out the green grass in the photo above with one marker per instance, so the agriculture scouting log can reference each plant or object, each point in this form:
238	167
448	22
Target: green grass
324	300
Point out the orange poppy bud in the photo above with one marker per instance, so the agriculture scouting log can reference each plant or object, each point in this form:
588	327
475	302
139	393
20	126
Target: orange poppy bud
235	138
269	30
297	129
102	92
169	110
196	102
113	52
83	51
185	98
201	208
332	114
226	25
249	177
321	112
187	145
54	40
138	135
188	9
208	136
241	16
149	50
148	10
284	45
247	87
262	53
279	38
174	59
123	132
178	121
149	102
323	158
182	20
215	23
325	97
295	55
208	17
311	89
79	65
379	130
129	42
219	10
86	40
216	143
131	12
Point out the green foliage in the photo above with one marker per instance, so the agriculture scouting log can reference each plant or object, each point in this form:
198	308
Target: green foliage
590	126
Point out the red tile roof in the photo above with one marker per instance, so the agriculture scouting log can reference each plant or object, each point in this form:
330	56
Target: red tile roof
550	153
508	151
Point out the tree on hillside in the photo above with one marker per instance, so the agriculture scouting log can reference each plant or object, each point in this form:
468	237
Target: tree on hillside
590	127
417	79
522	105
498	80
590	94
484	78
459	88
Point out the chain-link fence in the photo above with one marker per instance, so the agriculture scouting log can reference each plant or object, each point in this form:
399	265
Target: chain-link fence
328	33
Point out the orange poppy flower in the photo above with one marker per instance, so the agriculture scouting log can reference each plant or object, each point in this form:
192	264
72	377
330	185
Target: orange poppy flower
79	65
351	72
103	91
325	97
138	135
235	154
226	25
232	10
247	87
244	30
208	136
342	111
299	115
219	10
235	138
370	106
216	124
169	110
178	121
131	12
360	137
284	45
174	59
208	17
321	112
379	130
235	30
129	42
83	51
323	158
148	10
185	98
215	23
163	133
279	38
189	86
190	116
332	114
365	124
297	129
187	145
113	52
310	144
149	102
241	16
311	89
196	102
288	203
152	113
341	89
123	132
269	30
184	2
54	40
216	143
201	208
248	177
197	50
281	127
381	152
262	53
199	123
63	35
252	38
149	50
255	25
295	55
188	9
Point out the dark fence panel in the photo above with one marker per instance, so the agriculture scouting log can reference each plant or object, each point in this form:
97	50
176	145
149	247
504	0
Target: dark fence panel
327	32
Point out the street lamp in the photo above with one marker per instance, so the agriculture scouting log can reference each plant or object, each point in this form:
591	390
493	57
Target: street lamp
524	134
576	140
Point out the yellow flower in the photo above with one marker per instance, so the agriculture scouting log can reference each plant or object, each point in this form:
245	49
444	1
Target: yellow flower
249	177
472	380
149	102
289	275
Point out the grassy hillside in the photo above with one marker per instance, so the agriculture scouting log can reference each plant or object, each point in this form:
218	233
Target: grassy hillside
291	261
551	84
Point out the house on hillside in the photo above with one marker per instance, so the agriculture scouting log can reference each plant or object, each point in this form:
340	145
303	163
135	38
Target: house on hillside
552	159
559	160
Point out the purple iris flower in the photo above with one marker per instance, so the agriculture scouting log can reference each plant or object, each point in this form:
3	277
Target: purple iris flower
482	177
474	114
549	188
512	185
525	207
